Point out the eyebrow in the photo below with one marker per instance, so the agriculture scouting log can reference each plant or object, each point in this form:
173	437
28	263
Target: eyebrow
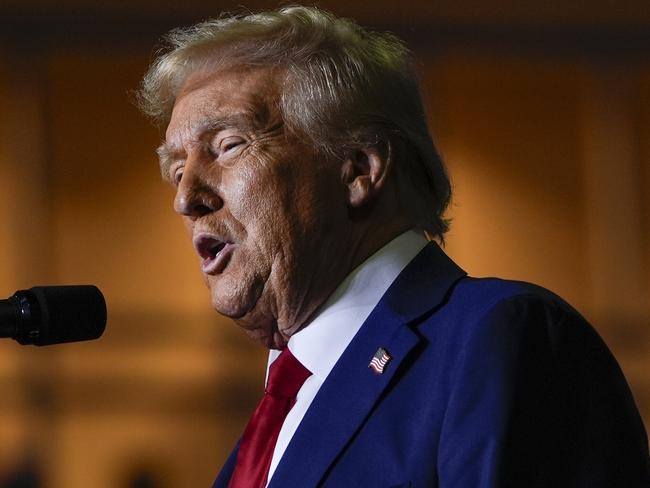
242	121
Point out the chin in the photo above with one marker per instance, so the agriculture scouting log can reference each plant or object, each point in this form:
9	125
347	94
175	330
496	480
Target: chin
230	298
244	301
232	311
246	311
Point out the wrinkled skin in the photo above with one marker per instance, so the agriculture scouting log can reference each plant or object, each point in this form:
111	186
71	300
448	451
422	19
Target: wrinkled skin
284	209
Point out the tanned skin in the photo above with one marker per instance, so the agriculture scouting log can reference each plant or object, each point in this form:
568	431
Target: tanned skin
277	225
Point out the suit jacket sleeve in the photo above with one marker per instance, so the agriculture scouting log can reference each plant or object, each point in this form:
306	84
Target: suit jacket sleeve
538	401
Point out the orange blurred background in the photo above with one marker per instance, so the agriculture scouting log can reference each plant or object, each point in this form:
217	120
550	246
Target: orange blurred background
540	109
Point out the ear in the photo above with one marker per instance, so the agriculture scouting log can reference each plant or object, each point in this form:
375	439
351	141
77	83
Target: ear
365	172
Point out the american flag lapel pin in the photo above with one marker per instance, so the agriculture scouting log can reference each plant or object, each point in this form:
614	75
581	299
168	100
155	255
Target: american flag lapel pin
379	360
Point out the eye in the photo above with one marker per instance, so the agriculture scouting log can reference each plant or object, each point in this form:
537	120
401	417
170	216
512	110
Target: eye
177	175
230	144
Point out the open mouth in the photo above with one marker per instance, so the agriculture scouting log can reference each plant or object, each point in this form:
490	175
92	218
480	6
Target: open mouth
214	253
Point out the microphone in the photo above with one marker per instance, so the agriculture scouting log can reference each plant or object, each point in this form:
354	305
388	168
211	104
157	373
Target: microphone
45	315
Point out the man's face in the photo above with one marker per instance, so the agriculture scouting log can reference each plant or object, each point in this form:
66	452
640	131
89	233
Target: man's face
267	214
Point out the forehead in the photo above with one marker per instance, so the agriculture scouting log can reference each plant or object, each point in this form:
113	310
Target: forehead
248	95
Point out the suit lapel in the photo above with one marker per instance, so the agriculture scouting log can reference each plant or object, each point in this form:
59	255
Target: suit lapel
226	472
352	389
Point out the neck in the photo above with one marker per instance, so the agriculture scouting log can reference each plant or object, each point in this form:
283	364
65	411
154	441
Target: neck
364	242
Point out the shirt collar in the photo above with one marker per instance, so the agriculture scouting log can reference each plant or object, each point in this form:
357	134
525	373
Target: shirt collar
320	343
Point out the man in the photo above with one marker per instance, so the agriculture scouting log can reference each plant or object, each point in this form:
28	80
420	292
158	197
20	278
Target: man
307	178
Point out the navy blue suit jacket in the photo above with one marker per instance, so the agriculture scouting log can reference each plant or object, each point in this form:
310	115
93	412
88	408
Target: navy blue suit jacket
492	383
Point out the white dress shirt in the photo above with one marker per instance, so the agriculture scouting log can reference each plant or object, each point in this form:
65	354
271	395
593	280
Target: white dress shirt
320	344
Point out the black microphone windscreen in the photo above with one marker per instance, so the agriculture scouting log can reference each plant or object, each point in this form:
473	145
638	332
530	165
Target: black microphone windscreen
69	313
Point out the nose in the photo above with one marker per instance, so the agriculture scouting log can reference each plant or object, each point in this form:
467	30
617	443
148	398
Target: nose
195	196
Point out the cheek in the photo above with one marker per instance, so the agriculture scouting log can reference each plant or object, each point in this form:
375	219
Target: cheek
255	199
242	188
282	203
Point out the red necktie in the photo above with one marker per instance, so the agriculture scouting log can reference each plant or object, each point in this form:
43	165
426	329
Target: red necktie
286	376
